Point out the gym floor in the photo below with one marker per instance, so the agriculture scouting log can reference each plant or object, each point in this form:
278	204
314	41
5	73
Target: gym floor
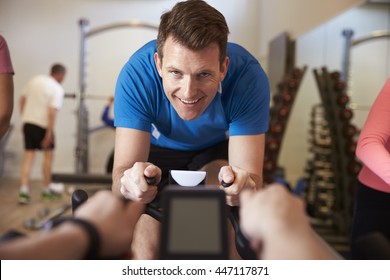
14	215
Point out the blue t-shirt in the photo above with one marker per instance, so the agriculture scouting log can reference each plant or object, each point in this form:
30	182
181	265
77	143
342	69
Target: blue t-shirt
241	108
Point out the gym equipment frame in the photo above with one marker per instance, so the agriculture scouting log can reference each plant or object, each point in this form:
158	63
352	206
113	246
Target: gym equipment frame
83	130
82	112
350	42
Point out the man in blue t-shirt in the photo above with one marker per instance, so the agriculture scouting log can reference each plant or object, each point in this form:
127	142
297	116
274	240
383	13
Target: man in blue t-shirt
188	101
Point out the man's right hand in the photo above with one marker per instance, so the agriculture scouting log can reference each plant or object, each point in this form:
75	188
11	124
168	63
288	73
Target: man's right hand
134	185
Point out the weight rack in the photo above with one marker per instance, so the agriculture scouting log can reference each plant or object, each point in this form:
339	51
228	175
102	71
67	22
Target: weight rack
282	103
332	171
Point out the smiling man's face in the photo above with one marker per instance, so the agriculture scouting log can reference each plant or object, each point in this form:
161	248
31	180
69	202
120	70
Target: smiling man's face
190	78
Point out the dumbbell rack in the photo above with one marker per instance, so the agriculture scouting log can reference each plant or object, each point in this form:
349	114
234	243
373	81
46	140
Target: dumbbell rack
282	103
332	171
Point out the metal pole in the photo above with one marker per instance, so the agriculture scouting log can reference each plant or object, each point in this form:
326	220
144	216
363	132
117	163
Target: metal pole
133	23
380	34
82	114
347	33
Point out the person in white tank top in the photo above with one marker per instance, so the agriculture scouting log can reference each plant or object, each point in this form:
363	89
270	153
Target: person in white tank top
41	99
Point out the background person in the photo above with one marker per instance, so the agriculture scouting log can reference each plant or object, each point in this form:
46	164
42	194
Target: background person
372	194
6	87
41	98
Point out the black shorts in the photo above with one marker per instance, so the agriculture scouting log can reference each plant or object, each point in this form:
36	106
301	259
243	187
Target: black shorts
371	215
33	136
168	159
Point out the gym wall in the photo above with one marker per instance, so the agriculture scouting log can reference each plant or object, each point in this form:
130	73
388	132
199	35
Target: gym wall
323	46
40	33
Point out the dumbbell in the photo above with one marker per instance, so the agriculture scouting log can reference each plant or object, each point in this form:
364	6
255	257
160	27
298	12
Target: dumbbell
283	112
296	73
325	211
273	112
320	122
323	151
346	114
323	157
335	75
287	97
349	130
292	84
324	173
276	128
350	147
269	165
342	99
320	150
323	164
319	131
326	197
339	86
320	141
273	145
354	167
322	161
321	184
323	142
276	98
281	86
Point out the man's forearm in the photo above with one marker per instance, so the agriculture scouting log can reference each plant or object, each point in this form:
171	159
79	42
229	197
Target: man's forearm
115	183
22	101
116	179
52	117
258	180
302	245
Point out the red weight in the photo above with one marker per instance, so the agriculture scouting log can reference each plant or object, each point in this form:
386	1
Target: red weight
346	114
343	99
339	86
297	73
354	167
276	128
349	130
292	84
335	75
283	112
269	165
273	145
350	147
287	97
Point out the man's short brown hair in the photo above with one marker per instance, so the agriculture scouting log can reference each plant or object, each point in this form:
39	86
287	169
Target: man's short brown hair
57	68
195	25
